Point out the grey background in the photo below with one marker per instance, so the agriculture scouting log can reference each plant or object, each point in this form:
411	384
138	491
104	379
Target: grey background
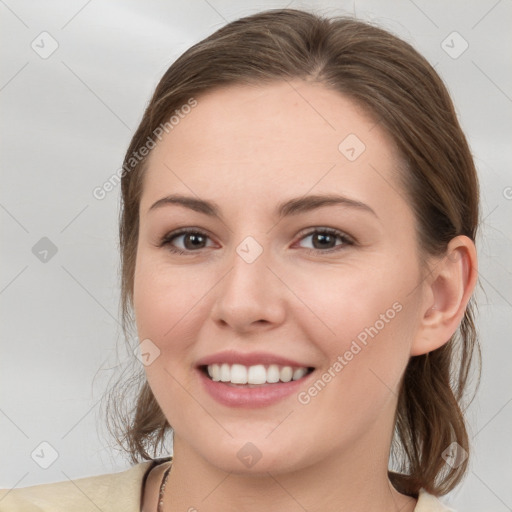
66	122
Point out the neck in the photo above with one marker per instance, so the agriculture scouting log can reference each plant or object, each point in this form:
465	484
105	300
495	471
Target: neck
342	482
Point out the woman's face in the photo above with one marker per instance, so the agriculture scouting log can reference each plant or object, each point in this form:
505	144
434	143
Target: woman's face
264	285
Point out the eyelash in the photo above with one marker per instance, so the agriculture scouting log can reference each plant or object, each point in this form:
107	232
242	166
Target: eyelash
346	240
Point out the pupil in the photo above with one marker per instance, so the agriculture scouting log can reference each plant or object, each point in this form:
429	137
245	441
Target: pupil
193	237
323	237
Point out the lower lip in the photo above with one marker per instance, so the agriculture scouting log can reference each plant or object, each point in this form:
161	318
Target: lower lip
261	396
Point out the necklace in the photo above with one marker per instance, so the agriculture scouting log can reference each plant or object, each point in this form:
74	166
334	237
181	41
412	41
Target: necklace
162	487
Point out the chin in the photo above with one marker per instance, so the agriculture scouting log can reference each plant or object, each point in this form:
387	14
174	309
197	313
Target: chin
243	457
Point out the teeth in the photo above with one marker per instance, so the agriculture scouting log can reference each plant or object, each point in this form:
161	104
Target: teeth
299	373
286	373
257	374
238	374
225	372
273	373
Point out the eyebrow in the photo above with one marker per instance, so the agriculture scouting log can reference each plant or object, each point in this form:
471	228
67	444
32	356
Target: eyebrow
290	207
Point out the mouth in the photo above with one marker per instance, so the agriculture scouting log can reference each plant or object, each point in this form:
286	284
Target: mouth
255	376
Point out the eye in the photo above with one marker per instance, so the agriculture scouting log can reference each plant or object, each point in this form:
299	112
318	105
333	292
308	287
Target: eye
195	239
323	239
192	239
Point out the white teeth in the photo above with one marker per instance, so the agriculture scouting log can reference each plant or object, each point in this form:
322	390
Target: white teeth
273	373
299	373
225	373
238	374
257	374
286	373
214	371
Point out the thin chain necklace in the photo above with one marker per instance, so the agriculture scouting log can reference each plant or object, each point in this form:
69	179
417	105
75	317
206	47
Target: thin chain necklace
162	487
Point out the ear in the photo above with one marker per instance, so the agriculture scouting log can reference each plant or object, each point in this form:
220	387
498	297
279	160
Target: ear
448	289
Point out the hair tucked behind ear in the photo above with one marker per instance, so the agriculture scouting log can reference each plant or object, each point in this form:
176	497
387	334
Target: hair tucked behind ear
430	416
398	87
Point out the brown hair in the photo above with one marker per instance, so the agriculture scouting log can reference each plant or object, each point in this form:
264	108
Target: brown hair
400	89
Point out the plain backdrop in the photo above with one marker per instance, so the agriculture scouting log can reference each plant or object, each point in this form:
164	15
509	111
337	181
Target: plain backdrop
75	79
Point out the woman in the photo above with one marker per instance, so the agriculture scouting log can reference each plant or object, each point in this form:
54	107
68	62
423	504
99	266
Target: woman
297	236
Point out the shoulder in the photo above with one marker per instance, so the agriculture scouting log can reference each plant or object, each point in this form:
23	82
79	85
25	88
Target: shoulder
429	503
110	492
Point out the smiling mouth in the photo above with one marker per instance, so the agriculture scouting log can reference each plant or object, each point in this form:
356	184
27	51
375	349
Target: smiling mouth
259	375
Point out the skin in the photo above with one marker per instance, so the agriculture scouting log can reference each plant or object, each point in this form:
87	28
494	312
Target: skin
249	148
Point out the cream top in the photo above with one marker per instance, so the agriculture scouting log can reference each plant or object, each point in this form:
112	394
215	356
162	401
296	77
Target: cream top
116	492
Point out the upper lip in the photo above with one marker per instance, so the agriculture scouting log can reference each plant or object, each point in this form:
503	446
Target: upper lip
248	359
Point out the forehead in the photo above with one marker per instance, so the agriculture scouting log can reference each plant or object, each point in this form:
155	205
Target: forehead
280	116
290	135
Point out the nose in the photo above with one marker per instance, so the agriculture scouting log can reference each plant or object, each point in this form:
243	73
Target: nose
250	295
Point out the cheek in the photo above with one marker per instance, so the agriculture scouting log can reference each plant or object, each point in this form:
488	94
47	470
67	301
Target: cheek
171	305
342	303
166	305
164	299
364	321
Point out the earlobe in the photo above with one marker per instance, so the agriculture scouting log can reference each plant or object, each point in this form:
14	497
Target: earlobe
450	286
